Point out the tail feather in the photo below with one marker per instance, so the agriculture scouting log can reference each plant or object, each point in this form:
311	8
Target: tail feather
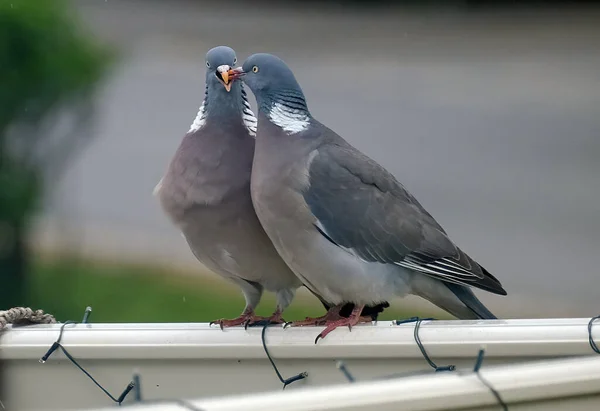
468	298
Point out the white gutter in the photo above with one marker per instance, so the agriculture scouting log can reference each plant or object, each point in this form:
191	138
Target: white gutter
195	360
572	384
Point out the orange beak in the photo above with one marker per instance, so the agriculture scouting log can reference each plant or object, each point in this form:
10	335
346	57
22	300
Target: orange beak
223	76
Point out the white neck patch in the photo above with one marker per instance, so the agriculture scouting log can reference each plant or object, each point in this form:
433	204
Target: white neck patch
199	121
248	117
290	120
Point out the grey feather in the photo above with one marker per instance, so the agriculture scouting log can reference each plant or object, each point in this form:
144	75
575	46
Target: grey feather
206	193
342	222
361	207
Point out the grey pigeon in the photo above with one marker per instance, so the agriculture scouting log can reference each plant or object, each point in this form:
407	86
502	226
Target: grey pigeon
206	194
348	229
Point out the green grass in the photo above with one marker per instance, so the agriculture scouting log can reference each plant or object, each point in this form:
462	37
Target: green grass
126	292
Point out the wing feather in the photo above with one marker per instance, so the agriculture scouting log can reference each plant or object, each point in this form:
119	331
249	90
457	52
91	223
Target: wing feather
364	210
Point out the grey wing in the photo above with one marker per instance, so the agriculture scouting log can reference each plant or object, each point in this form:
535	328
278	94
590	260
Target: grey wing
362	208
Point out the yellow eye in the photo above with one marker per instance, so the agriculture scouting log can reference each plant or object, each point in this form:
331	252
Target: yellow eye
255	69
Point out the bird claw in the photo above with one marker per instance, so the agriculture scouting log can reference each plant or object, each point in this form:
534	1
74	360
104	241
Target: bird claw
223	323
323	320
349	322
219	322
262	321
323	334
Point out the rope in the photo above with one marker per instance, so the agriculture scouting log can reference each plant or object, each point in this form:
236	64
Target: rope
25	316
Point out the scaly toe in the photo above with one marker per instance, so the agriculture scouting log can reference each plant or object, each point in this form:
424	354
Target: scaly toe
223	323
262	321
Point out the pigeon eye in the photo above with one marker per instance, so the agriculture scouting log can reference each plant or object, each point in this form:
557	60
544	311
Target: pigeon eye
255	69
235	61
207	64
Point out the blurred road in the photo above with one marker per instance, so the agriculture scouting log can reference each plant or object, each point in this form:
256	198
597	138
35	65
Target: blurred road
492	120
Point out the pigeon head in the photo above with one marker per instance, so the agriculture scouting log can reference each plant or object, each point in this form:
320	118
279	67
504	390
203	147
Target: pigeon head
219	60
225	101
277	92
264	72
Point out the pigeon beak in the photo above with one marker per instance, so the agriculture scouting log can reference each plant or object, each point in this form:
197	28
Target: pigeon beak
223	76
236	73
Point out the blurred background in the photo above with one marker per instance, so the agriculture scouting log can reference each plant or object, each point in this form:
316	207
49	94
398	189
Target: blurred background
488	112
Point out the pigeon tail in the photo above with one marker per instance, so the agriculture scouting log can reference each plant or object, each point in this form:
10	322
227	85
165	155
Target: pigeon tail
468	298
497	286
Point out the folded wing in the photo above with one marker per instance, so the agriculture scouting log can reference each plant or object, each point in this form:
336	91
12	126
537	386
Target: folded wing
363	209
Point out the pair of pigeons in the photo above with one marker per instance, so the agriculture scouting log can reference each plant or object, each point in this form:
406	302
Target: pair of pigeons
282	201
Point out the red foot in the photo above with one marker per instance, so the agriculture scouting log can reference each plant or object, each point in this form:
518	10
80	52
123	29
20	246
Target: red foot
244	318
332	315
353	319
275	318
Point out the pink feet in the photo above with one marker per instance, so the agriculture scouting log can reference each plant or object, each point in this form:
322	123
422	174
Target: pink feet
275	318
332	315
248	318
333	320
353	319
244	318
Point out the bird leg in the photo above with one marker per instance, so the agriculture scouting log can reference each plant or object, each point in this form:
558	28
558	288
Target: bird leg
353	319
275	318
246	316
332	315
